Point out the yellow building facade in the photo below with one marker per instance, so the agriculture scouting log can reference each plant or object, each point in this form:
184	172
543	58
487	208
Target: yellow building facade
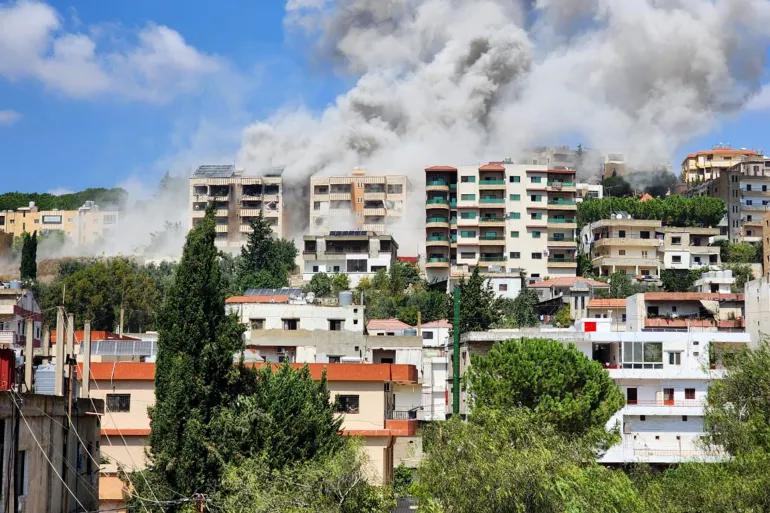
86	225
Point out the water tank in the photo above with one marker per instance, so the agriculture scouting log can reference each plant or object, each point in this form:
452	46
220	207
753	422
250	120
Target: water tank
346	298
45	379
14	284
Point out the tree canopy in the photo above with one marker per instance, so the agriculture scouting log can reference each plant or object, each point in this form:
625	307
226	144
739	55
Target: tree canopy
70	201
673	210
265	262
555	381
28	267
479	307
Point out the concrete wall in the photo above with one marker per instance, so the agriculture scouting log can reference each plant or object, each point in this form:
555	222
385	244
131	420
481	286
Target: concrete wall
311	317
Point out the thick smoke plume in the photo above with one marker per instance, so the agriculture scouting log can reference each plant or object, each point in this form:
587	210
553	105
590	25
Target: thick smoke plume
465	81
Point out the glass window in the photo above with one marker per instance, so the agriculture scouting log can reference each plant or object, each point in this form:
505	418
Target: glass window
514	179
467	197
515	197
515	254
514	235
535	179
346	404
119	402
467	215
468	233
468	179
514	215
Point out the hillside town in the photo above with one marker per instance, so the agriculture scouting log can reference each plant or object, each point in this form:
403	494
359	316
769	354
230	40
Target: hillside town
660	293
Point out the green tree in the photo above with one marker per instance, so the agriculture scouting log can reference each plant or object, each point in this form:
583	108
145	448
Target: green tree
620	285
562	319
340	282
554	381
499	462
679	280
320	285
584	266
28	267
265	262
742	273
195	376
334	483
478	306
738	406
740	252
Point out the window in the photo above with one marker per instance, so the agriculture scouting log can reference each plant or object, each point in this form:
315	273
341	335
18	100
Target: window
427	335
642	418
535	197
514	234
468	215
346	404
535	234
335	324
316	205
467	197
468	179
684	418
119	402
537	256
622	234
503	287
675	358
677	259
358	265
257	324
621	252
468	234
642	355
515	255
336	268
689	393
315	268
535	179
644	235
536	215
515	197
748	186
290	324
631	395
22	486
467	254
514	215
335	359
514	179
676	241
668	396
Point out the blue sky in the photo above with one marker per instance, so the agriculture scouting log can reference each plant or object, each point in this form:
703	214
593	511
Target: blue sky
138	87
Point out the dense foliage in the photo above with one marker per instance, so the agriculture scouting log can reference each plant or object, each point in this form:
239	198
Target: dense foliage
325	285
740	252
519	312
673	210
28	267
742	273
71	201
265	262
479	307
554	381
400	293
679	280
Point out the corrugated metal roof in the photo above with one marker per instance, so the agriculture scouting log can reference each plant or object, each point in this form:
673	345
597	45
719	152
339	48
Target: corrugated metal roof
215	171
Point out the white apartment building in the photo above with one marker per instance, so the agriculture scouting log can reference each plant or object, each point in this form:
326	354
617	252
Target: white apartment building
503	218
359	254
720	282
237	199
664	376
16	306
435	364
689	247
623	244
357	202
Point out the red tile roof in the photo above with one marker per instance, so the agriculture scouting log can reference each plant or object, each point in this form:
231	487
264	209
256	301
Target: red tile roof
441	168
95	335
492	166
370	372
691	296
722	151
441	323
568	281
275	298
387	325
120	371
606	303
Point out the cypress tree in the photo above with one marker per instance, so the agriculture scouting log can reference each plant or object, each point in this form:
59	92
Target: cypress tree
265	262
195	376
32	271
28	267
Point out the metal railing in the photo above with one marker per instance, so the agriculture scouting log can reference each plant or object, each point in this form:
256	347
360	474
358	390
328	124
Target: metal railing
402	415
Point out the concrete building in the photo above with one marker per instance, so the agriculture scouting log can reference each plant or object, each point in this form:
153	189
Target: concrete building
706	165
358	254
608	308
614	165
575	292
757	298
585	191
720	282
623	244
685	312
745	189
17	305
87	225
504	219
357	202
689	248
664	376
435	365
237	199
766	245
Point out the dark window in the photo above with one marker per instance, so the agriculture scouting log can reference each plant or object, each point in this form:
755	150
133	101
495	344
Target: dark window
335	324
537	256
684	418
257	324
676	240
21	471
427	335
315	268
515	254
334	359
677	259
502	287
290	324
357	266
689	393
631	395
119	402
346	404
642	417
622	234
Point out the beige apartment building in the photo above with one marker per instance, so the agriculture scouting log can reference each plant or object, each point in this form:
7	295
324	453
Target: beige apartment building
356	202
745	189
706	165
237	199
503	218
689	247
624	244
89	224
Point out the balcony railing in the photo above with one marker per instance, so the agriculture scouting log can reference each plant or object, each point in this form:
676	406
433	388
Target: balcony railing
561	184
559	201
452	186
491	181
491	219
667	402
566	259
437	237
437	201
492	258
492	200
436	220
561	221
437	182
402	415
434	260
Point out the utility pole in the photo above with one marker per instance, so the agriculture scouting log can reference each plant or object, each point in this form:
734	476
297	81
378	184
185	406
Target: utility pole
456	353
59	352
120	326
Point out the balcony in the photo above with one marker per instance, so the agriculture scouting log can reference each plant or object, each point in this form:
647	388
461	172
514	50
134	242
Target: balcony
437	202
490	199
627	241
401	423
492	241
558	185
437	240
561	243
561	223
492	221
436	261
437	222
566	262
492	258
7	338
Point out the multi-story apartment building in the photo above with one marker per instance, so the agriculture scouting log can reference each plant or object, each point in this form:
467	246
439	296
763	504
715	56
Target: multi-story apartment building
614	165
504	219
88	224
706	165
623	244
17	305
664	375
745	189
360	201
689	248
685	311
359	254
237	199
585	191
574	292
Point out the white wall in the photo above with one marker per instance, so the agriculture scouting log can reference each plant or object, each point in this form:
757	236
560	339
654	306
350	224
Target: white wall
311	317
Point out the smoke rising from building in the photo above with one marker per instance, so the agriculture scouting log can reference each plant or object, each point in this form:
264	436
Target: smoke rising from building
463	81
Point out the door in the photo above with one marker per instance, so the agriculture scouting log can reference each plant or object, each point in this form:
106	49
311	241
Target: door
668	396
631	395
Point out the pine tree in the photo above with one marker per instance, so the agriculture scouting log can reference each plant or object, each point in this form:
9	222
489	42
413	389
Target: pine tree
32	271
28	267
195	376
478	305
265	262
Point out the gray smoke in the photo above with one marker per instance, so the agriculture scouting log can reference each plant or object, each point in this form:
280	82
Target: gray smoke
465	81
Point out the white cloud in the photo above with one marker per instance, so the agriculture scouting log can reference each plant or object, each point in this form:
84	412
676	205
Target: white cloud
9	117
761	101
58	191
154	66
